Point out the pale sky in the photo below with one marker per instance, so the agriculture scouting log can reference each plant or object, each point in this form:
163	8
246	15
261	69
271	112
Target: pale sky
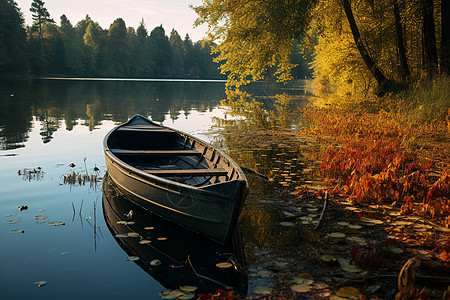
170	13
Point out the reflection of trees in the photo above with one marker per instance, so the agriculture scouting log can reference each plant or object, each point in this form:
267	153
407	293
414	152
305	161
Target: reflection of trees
71	100
15	117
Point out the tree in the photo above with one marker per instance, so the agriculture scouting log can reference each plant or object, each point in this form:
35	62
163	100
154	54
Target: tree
429	37
116	56
40	15
404	69
13	47
176	43
160	53
445	37
254	35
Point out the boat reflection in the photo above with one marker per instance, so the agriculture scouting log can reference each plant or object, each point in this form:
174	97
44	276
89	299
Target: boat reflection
172	255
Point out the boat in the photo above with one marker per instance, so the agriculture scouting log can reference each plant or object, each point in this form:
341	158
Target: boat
176	176
172	255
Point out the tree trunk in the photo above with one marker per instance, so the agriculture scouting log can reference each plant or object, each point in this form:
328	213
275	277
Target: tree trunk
376	72
404	70
445	37
429	38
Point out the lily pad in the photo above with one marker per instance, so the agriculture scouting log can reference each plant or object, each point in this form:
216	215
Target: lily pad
144	242
338	235
188	288
356	239
121	235
170	294
328	258
186	296
133	234
372	221
40	217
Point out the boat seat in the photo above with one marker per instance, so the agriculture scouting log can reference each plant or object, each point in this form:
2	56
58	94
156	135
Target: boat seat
156	152
188	172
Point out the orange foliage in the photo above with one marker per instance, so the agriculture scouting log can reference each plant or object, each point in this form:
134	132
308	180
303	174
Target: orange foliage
371	165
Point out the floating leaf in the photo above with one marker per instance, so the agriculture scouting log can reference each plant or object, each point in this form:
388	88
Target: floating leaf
224	265
349	293
170	294
132	258
343	223
56	223
149	228
328	258
395	250
121	222
8	215
287	224
121	235
402	223
41	210
40	217
155	262
188	288
17	231
301	288
355	226
356	239
372	221
338	235
161	238
40	283
133	234
144	242
261	290
13	221
186	296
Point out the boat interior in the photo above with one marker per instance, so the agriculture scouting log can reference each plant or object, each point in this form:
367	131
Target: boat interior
166	153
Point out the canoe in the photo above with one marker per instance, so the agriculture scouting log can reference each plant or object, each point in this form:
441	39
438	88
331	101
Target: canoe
172	255
176	176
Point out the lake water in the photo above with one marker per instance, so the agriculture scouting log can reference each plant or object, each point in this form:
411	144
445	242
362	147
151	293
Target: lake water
66	237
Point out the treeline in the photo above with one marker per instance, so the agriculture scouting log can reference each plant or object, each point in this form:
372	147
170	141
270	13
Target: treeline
88	50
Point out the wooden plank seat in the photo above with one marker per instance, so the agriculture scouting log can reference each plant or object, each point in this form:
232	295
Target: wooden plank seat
188	172
156	152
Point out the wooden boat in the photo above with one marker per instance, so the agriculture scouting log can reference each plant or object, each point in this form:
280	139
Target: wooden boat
176	176
172	255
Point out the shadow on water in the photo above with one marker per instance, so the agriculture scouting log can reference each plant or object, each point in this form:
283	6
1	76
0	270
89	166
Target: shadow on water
172	255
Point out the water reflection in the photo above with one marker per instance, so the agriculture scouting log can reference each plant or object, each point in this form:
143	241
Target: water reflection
25	101
170	254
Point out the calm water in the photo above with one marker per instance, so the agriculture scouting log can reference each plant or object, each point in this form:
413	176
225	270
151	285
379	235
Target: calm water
47	125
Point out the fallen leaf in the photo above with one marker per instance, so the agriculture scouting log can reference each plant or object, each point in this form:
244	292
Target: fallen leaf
155	262
224	265
132	258
349	293
261	290
301	288
40	283
56	223
17	231
338	235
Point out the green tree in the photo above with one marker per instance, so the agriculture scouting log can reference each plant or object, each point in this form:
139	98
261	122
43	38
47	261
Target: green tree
176	44
13	47
116	56
40	16
160	53
254	35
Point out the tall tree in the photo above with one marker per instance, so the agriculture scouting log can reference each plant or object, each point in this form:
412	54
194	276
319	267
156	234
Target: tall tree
116	55
376	72
445	37
160	53
40	16
13	48
429	37
404	69
176	44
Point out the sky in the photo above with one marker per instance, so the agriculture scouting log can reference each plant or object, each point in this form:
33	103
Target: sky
170	13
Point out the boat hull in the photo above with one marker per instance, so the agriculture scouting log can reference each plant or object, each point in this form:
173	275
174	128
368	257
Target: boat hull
210	210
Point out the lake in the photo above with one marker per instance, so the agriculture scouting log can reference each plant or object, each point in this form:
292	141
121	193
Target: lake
63	241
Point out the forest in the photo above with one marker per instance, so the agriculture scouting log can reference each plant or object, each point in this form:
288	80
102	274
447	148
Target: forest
87	50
